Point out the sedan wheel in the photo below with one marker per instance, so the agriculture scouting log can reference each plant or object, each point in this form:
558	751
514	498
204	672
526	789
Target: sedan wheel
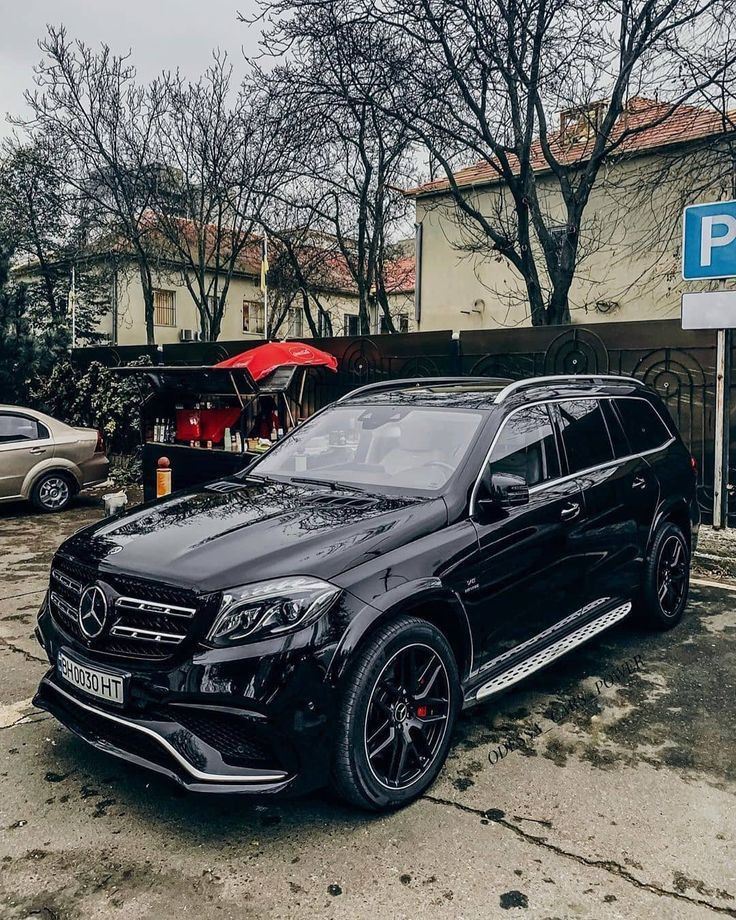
52	493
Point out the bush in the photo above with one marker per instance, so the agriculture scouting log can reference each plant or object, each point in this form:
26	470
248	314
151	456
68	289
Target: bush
96	398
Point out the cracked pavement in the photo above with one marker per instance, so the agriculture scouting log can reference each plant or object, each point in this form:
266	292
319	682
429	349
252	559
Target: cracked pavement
594	790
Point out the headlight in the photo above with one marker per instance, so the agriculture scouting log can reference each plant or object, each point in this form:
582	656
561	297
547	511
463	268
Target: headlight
269	608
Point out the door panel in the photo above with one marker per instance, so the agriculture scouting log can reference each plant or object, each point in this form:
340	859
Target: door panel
526	572
23	443
616	495
616	501
528	569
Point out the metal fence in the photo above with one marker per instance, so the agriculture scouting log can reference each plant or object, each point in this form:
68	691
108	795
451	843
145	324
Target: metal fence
678	364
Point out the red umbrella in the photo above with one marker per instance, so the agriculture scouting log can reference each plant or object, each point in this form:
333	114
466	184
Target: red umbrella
264	359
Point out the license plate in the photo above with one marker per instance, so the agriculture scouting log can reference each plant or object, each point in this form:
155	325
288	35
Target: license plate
102	684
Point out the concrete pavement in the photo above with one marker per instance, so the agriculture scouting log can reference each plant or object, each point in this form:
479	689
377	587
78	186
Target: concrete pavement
604	787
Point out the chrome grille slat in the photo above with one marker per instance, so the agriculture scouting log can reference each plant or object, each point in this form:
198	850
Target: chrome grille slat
146	619
146	635
143	606
71	583
63	607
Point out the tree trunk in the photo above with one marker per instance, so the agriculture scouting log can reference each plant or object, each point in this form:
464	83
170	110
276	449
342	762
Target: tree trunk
148	305
308	314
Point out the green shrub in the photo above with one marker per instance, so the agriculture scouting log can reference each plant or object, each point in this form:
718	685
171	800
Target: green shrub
97	398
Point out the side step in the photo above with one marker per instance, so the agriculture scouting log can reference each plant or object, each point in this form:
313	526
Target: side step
551	652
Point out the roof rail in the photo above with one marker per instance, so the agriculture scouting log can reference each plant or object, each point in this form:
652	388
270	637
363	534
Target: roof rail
560	378
409	382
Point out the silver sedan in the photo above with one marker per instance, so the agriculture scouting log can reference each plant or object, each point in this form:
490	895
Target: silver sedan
46	461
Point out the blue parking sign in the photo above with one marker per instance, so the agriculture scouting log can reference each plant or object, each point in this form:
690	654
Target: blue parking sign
709	241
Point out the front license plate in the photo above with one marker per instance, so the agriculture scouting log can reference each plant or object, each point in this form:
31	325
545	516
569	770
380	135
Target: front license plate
102	684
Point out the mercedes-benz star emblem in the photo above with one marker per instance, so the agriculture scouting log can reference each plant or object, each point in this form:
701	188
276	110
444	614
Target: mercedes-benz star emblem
92	611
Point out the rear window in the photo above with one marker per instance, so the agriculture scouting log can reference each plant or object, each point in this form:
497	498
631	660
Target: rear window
584	434
642	424
19	428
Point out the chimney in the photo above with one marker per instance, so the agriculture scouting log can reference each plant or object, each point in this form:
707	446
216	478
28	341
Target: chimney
580	123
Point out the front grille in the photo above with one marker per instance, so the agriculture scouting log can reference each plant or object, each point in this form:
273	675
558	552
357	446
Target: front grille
231	735
145	619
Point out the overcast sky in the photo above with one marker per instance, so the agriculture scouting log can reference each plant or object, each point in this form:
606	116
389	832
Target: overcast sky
162	34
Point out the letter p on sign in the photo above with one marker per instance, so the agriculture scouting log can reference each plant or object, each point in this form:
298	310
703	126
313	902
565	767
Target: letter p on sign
709	241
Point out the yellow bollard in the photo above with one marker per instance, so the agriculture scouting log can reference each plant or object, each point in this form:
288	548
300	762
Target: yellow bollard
163	477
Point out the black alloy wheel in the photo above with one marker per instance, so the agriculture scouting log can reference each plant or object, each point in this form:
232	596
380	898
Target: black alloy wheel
666	578
671	575
407	716
400	701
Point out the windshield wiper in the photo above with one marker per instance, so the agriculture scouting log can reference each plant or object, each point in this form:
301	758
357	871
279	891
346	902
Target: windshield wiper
329	483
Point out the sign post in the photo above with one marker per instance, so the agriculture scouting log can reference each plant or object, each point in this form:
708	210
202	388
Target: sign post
709	253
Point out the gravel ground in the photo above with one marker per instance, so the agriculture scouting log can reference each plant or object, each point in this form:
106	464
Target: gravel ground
601	788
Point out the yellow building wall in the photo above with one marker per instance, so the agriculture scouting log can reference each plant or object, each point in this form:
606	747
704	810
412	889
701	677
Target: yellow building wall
629	267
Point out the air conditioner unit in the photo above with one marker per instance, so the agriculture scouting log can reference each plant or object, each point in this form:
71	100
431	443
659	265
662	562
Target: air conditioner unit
189	335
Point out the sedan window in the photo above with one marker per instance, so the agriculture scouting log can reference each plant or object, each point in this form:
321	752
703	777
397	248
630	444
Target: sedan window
18	428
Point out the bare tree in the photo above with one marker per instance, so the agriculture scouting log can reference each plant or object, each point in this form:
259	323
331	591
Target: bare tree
301	271
90	101
49	227
353	157
222	153
485	81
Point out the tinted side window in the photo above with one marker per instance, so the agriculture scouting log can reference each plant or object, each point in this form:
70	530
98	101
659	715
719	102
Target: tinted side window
643	426
584	434
621	447
17	428
526	446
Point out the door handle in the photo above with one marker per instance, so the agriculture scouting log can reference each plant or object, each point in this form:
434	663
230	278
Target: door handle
570	512
38	450
639	483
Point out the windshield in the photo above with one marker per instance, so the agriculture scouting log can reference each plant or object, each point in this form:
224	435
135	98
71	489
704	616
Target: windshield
413	448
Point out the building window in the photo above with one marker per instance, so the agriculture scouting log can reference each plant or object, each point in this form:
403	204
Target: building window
253	316
351	326
558	232
164	307
401	323
296	323
323	327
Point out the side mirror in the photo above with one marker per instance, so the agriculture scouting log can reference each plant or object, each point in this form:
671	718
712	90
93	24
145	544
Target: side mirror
505	491
508	489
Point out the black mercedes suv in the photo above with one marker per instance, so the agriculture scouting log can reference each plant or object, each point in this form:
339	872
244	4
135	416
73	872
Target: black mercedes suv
411	549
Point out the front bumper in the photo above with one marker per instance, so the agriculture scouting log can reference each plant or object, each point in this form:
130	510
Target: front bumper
254	719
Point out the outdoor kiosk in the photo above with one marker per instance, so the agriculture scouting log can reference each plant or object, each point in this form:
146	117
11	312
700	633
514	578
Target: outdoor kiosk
214	421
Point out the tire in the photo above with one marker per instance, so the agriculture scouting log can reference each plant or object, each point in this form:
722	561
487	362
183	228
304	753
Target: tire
666	579
53	491
407	654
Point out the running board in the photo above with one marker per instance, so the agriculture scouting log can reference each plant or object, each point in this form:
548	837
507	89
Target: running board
551	652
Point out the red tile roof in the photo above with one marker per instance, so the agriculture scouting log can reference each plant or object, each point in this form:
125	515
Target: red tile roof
400	275
645	125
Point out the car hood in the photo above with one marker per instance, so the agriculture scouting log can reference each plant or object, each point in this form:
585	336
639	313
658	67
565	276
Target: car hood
229	533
